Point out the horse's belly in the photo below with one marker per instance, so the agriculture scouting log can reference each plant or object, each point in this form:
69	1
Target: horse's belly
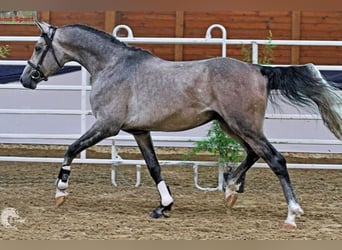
175	122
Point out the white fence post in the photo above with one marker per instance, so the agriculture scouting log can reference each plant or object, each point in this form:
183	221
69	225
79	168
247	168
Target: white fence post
224	36
255	52
84	83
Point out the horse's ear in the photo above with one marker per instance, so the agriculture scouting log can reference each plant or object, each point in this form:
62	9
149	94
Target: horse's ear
43	26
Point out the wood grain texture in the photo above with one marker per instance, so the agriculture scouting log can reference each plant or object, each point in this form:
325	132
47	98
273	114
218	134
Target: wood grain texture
305	25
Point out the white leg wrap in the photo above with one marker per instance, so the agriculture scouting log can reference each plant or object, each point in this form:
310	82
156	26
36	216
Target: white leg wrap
166	198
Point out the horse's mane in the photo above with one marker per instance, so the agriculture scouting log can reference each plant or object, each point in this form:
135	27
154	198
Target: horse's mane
108	37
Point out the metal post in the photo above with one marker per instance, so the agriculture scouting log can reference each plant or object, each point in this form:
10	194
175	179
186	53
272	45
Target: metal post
220	177
224	36
138	177
84	82
255	52
113	175
122	26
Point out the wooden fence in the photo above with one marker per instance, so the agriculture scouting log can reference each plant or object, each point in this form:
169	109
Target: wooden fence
239	24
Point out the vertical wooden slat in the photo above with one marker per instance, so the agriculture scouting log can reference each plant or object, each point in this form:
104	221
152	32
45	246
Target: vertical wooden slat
44	16
110	21
179	33
296	23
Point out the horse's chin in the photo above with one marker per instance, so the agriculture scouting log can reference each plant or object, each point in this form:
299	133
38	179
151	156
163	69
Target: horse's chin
29	83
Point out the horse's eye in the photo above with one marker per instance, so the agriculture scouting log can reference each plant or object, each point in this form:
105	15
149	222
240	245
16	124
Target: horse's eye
38	48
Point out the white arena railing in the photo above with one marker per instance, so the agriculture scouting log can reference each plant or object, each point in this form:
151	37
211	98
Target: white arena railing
116	160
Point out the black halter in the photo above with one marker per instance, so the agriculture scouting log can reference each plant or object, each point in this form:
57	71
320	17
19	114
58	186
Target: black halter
37	73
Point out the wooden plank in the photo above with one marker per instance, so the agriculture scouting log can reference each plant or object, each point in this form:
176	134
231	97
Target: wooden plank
315	14
321	19
92	18
20	50
179	33
239	24
18	30
150	24
322	26
268	13
226	16
295	50
242	25
334	35
333	52
241	34
110	21
212	16
321	61
322	55
147	15
44	16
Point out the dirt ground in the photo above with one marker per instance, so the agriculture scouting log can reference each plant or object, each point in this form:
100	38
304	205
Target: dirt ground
96	210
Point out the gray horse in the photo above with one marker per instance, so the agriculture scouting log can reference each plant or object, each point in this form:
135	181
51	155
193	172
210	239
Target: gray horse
137	92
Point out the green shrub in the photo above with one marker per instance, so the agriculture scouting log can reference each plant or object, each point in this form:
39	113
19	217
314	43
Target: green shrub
221	145
4	51
265	57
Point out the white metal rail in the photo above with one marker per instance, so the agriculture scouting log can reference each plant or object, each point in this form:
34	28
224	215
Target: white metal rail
84	88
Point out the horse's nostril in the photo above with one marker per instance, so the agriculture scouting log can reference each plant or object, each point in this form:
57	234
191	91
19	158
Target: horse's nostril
21	80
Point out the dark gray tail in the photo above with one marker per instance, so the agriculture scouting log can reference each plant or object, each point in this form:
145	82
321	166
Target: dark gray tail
304	85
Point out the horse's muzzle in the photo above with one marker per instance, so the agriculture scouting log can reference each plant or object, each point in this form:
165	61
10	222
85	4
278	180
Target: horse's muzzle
28	82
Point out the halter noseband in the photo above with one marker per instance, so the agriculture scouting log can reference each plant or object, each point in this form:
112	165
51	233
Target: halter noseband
37	73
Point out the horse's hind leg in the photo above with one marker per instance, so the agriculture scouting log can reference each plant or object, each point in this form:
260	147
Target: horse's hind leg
235	179
94	135
278	165
146	147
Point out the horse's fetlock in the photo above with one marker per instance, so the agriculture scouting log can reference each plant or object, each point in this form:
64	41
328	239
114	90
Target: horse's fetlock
233	187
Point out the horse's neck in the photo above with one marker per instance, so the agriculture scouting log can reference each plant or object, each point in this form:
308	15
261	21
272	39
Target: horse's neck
93	60
90	53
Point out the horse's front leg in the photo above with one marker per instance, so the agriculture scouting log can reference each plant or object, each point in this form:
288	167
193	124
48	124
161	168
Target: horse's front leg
94	135
146	147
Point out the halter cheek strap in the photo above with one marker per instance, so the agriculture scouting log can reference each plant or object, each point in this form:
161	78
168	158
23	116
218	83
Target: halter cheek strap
37	73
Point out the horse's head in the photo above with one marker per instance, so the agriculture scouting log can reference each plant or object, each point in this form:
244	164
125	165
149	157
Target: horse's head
45	60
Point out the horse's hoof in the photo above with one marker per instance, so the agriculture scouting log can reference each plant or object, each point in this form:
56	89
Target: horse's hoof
289	226
159	212
60	200
156	214
231	199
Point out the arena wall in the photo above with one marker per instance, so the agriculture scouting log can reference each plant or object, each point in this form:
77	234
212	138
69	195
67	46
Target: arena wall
284	25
